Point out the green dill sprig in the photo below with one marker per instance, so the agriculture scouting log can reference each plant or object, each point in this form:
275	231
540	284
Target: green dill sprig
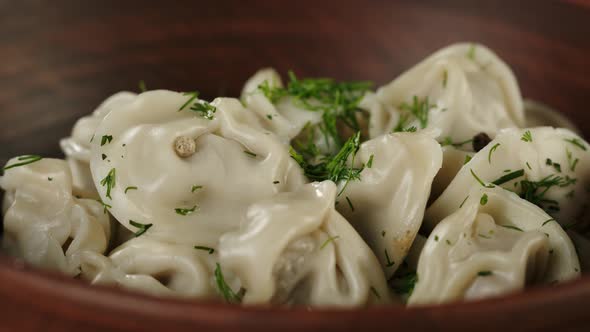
389	263
185	212
203	108
418	109
570	160
404	284
449	141
141	228
130	188
333	168
547	221
104	205
106	139
492	151
512	227
329	240
534	191
23	160
445	78
527	136
370	162
109	181
462	203
192	96
555	165
480	181
141	85
251	154
195	188
484	200
485	273
577	142
467	159
338	101
228	294
208	249
508	177
471	52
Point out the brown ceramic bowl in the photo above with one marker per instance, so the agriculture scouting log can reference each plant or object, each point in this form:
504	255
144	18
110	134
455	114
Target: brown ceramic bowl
60	58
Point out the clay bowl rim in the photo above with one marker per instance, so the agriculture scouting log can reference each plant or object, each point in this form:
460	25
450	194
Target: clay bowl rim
15	274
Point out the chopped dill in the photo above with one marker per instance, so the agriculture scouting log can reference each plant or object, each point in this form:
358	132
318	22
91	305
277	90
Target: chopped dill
512	227
109	181
185	212
390	263
480	181
577	142
492	151
484	199
508	177
24	160
106	139
208	249
141	228
527	136
228	294
329	240
130	188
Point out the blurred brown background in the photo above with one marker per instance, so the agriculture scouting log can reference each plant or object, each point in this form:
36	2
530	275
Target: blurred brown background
59	59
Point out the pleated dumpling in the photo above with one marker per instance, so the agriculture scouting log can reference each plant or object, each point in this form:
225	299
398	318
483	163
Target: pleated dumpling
462	90
295	248
187	169
44	224
153	267
386	205
494	244
546	166
77	147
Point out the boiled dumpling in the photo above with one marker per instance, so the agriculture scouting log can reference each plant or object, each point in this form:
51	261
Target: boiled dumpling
185	168
494	244
153	267
44	223
463	90
549	167
386	205
77	147
295	248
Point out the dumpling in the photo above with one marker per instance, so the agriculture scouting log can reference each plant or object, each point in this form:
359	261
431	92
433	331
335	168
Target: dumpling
77	147
185	168
549	167
494	244
153	267
386	205
43	223
295	248
538	114
463	90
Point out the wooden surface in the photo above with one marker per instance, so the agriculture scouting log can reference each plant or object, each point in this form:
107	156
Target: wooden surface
59	59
